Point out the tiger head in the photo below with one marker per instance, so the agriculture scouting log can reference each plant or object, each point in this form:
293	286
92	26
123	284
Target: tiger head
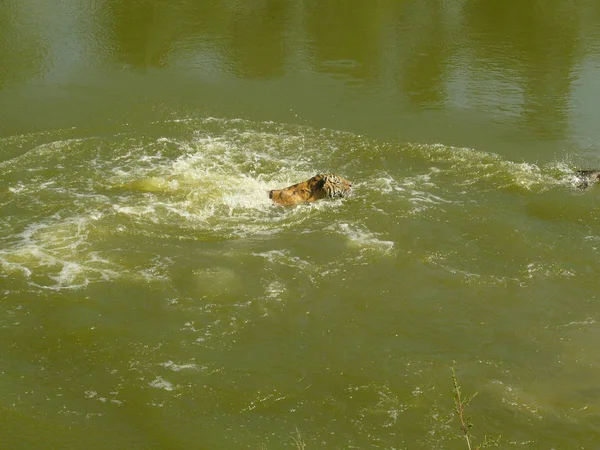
320	186
333	186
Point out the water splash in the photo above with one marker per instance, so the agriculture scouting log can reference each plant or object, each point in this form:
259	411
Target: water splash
72	204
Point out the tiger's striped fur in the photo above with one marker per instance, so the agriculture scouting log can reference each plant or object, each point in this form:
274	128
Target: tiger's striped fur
323	185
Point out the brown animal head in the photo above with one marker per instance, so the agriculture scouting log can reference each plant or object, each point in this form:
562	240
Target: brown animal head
318	187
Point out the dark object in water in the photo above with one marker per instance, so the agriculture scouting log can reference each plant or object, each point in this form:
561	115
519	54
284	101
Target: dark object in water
587	177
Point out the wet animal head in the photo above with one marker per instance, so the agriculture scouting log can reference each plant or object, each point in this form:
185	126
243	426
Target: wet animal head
320	186
330	185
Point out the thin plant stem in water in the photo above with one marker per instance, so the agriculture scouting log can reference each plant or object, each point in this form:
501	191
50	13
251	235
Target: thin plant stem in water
460	405
298	440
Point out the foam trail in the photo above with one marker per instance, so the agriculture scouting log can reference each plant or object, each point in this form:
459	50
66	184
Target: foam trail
207	180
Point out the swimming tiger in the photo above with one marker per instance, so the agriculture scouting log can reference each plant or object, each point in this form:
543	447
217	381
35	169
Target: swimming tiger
320	186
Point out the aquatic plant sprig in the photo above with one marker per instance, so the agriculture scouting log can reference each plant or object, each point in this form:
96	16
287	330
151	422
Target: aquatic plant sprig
460	405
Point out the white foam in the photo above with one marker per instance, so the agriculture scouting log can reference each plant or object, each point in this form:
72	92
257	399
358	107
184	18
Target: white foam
361	238
284	257
54	254
275	290
386	184
178	367
161	383
210	178
545	270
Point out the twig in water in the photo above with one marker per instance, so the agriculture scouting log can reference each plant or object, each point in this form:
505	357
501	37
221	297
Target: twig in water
298	440
460	404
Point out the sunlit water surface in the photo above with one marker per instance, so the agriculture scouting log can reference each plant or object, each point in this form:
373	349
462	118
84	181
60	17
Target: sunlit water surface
152	296
147	276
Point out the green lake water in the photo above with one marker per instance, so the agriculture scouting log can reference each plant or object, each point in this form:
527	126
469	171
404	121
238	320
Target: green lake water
152	296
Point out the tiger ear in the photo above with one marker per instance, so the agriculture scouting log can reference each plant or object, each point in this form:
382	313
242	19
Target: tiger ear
321	182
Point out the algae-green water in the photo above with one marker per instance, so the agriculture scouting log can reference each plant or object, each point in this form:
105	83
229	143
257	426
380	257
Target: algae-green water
152	296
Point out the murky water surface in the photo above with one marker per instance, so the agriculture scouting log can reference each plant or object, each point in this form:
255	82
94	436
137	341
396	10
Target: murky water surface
152	296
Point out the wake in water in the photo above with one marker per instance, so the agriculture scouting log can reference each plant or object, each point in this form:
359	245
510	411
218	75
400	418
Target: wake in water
73	206
185	279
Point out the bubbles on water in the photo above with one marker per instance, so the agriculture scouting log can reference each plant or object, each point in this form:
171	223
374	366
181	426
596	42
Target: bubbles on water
161	383
74	206
199	180
540	269
55	254
469	167
179	367
361	238
275	290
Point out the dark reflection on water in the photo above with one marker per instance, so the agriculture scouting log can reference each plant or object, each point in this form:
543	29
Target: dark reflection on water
425	67
514	62
537	46
345	40
255	37
140	33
